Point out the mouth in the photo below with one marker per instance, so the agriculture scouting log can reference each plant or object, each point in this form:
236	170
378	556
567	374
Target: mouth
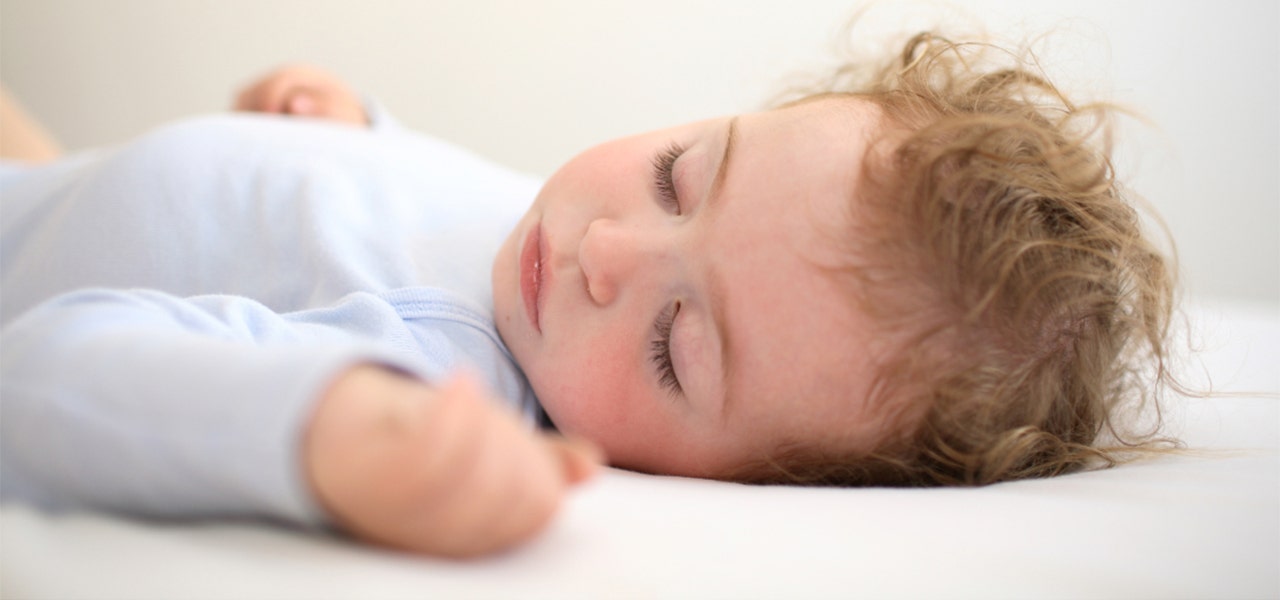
532	272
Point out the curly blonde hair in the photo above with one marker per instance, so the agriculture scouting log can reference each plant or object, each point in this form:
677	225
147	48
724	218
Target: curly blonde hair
993	240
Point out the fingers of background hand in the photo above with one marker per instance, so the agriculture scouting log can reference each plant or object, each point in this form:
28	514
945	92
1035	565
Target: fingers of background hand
302	102
303	90
272	92
267	94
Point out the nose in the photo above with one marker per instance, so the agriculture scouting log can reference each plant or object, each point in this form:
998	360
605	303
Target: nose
614	255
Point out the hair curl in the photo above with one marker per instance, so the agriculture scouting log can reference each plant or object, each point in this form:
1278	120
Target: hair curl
994	242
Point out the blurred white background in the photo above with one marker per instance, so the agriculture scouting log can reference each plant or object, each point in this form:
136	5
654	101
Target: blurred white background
530	83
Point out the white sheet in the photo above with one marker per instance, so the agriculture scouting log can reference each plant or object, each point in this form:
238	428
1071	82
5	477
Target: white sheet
1204	525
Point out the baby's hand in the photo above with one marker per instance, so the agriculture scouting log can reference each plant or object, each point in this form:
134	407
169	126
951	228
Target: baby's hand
435	470
304	91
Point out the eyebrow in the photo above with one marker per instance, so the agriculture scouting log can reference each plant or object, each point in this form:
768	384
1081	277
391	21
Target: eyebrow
715	285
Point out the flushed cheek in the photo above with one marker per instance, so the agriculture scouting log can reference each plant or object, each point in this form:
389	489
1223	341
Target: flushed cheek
608	396
602	176
598	396
588	391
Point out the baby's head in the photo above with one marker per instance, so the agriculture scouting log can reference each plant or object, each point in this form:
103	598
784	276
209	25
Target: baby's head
922	277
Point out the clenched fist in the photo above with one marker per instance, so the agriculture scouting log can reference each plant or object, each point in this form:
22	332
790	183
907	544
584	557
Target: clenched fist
438	470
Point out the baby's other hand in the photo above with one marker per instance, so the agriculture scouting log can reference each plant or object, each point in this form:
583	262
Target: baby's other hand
303	91
441	471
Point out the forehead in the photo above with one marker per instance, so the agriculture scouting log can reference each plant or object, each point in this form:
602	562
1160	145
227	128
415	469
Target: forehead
799	346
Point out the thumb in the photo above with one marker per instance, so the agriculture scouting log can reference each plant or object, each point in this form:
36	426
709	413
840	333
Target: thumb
580	460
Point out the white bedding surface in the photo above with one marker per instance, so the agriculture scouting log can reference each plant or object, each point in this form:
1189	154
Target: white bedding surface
1202	525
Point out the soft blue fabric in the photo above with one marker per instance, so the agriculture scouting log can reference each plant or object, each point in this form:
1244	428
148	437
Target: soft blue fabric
173	306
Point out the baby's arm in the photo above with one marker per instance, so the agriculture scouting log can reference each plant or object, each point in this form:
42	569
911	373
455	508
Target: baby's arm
148	404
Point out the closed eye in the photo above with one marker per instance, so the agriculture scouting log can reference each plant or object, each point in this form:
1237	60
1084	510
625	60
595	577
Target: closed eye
660	350
664	164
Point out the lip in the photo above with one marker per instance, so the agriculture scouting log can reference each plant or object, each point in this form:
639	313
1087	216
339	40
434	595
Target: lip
533	274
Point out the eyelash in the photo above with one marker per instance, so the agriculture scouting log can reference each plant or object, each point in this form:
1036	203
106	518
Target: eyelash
660	350
664	163
664	176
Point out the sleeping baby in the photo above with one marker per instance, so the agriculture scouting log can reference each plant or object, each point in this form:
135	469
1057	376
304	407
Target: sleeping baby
921	273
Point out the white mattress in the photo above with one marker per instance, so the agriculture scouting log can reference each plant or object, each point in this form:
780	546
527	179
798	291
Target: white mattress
1202	525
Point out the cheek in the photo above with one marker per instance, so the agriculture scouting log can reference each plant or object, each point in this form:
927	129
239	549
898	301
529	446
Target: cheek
602	178
600	390
588	386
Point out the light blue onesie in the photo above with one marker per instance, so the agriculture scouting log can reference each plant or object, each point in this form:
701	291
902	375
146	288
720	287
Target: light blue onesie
171	307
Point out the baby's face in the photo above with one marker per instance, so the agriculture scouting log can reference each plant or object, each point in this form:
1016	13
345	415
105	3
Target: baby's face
664	295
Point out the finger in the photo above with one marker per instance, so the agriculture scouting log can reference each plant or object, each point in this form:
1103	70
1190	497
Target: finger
242	100
505	483
302	102
579	459
247	98
273	94
270	93
532	489
507	489
252	97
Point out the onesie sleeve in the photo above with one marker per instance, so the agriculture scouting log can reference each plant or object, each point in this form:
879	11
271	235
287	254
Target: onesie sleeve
148	404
